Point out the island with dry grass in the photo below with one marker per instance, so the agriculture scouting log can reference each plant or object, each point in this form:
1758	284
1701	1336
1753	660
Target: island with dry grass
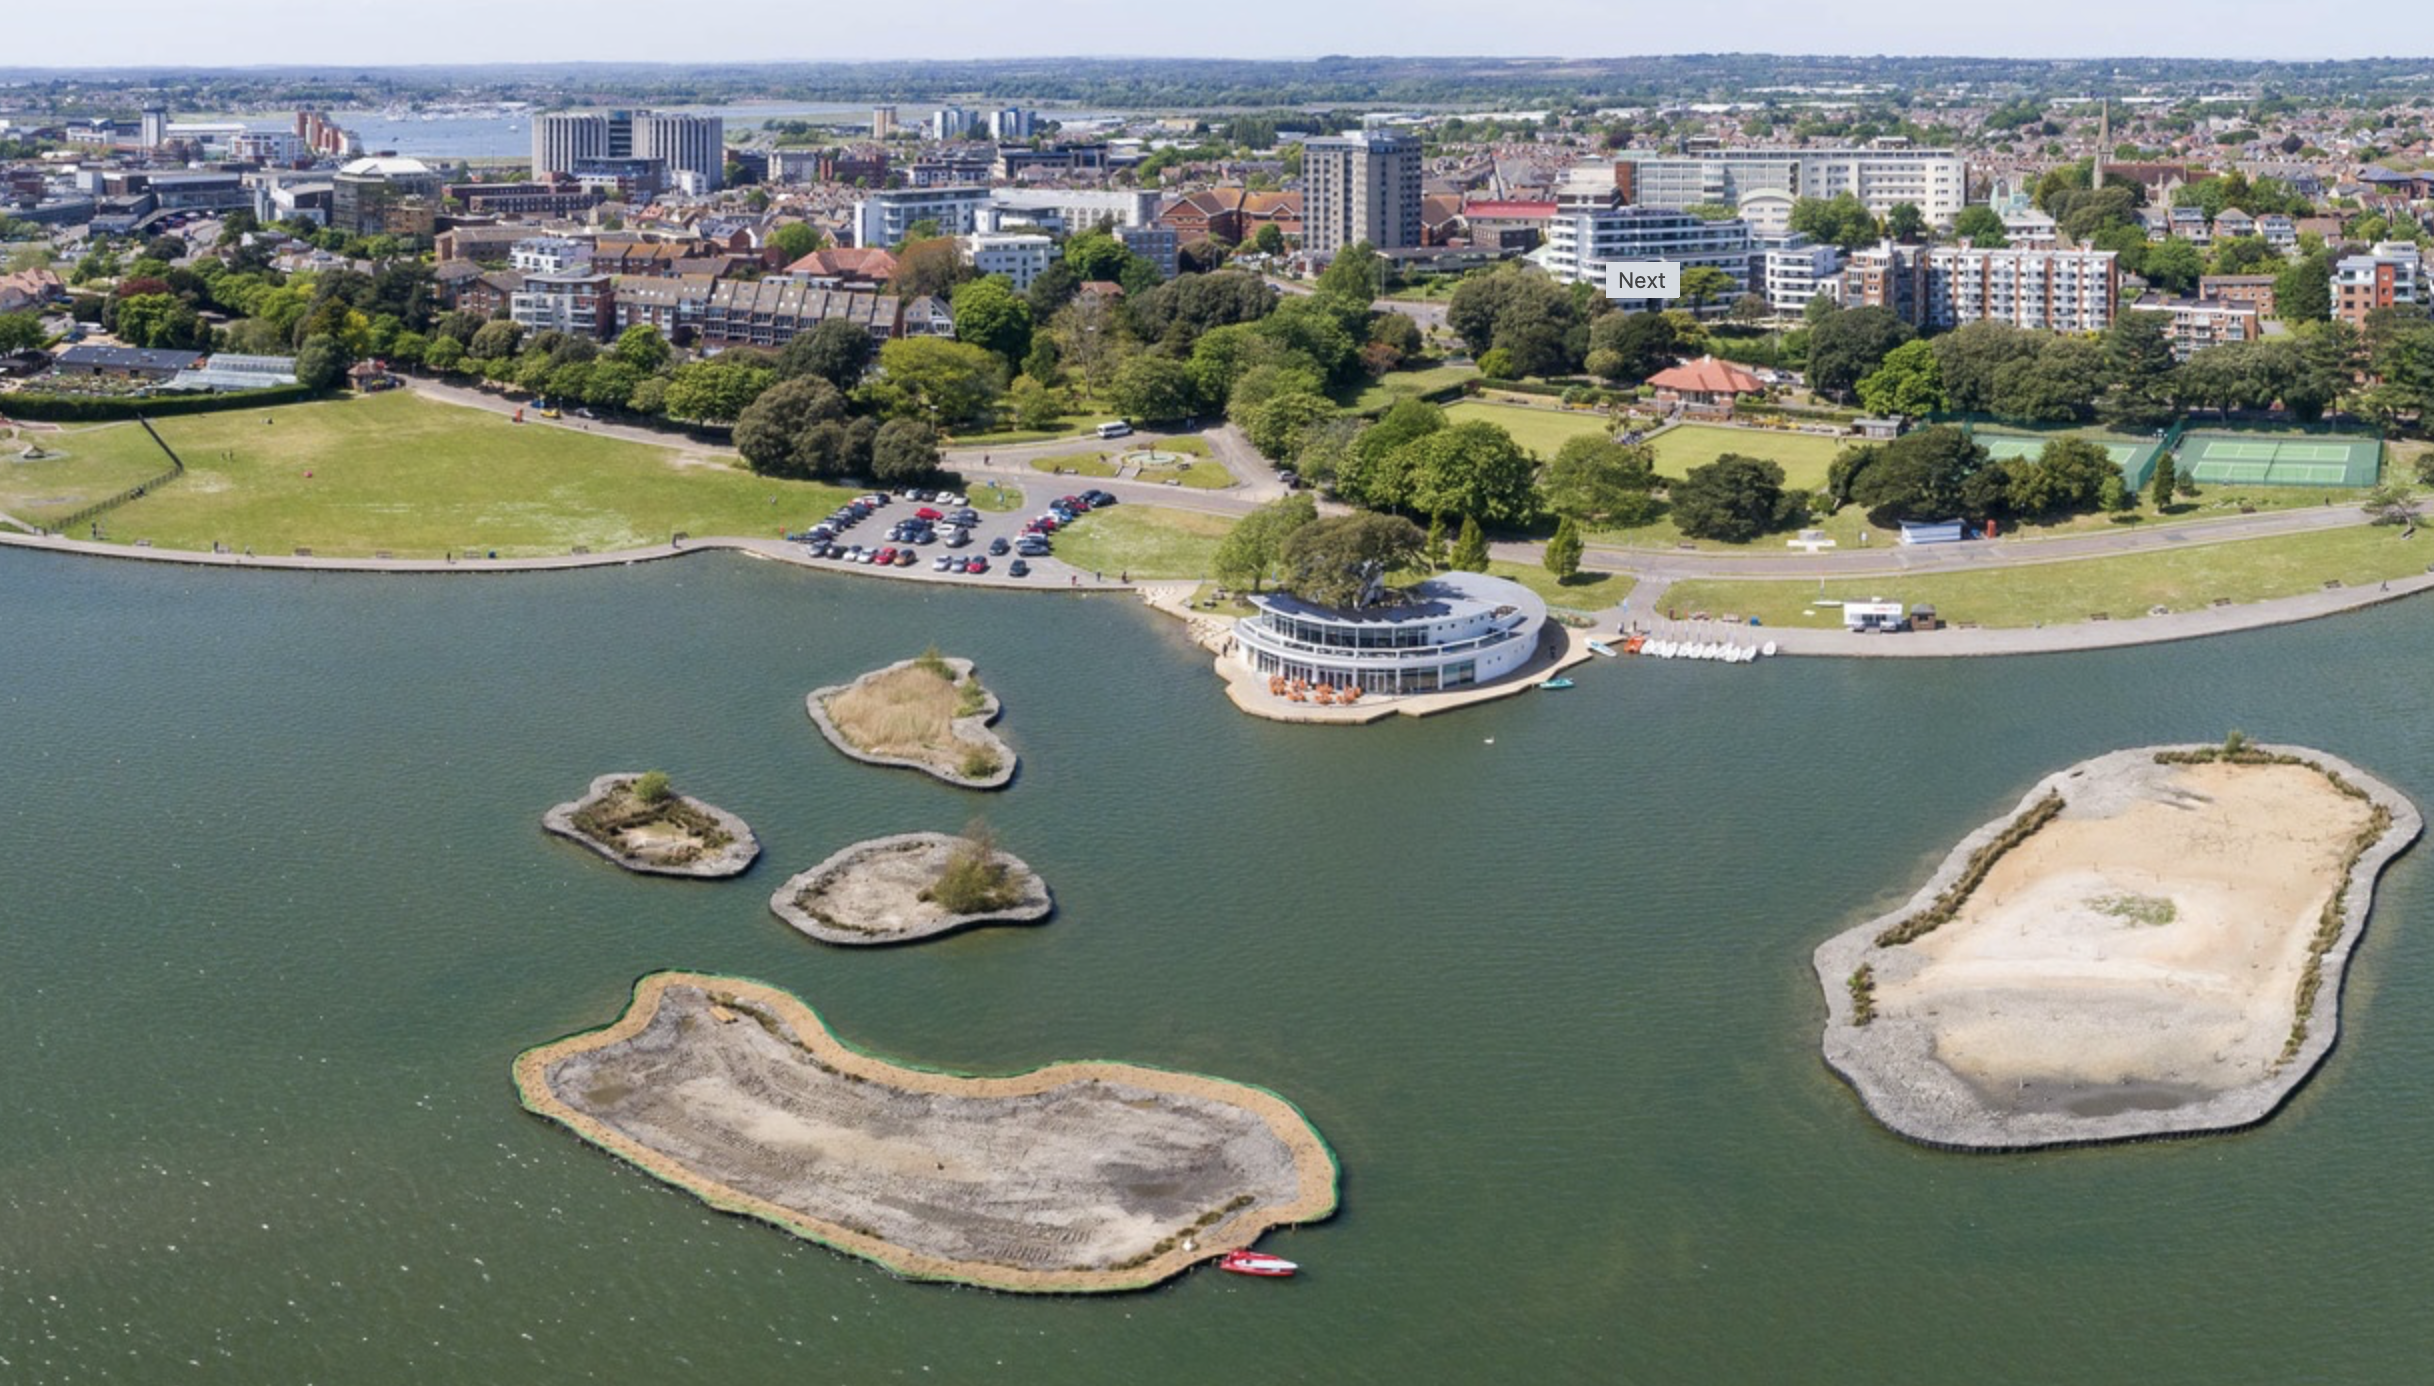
1076	1177
2152	944
913	886
641	823
928	713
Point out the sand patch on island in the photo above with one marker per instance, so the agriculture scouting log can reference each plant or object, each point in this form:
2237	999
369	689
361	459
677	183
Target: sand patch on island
2151	940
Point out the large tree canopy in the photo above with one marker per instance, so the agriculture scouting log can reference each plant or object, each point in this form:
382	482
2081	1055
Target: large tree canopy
1328	561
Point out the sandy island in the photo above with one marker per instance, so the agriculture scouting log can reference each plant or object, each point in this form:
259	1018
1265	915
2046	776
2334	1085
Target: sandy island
927	713
681	836
2152	944
872	892
1070	1178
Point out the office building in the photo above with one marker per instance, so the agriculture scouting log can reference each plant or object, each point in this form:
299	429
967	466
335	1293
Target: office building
1360	187
1882	176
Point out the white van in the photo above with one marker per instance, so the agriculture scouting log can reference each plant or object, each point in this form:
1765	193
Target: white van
1117	429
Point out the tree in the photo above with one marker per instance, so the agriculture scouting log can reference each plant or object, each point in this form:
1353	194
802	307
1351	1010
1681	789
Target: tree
1097	255
1703	282
1922	475
1275	425
1497	364
989	314
2173	265
20	331
1981	226
1254	549
1969	357
947	383
1470	548
1850	344
1034	406
1734	499
2065	478
2393	505
1564	550
1910	383
796	240
1646	342
1268	240
835	350
2161	487
321	363
796	429
932	266
716	391
496	339
159	320
1747	311
2138	347
2057	385
1595	479
1472	468
904	450
1330	561
445	355
1153	389
2303	292
1354	274
641	347
1841	220
1905	222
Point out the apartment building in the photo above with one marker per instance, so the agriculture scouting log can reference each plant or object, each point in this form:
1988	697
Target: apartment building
2255	290
550	254
576	302
2197	323
1591	229
692	148
2061	290
1794	271
772	312
398	196
884	218
1019	255
1881	175
2390	275
1360	187
1067	211
1157	244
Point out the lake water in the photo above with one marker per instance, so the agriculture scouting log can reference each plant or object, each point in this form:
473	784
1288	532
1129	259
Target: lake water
279	913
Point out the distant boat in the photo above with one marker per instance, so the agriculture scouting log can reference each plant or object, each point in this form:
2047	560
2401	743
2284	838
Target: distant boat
1557	682
1601	647
1767	649
1248	1262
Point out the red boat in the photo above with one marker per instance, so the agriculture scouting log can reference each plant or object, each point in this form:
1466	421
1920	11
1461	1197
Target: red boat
1249	1262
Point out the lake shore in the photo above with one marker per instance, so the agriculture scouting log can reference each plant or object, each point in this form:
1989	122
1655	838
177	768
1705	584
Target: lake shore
2153	943
1073	1178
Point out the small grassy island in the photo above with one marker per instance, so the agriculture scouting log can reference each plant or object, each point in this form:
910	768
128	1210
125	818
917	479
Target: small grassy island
1071	1178
2152	944
639	822
928	713
912	886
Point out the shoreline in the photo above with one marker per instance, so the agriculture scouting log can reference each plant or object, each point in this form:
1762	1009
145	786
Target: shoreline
1892	1062
840	868
1317	1171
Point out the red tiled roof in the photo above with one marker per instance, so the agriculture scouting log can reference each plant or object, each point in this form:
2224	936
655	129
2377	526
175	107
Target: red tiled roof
861	263
1707	376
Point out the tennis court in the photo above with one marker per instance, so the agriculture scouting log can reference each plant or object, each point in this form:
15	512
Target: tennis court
2282	461
2135	458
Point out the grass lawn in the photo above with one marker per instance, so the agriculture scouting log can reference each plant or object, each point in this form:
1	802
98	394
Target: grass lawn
990	494
1144	541
1195	472
398	473
1587	591
1804	457
1377	394
1541	431
1078	422
2055	593
1075	464
93	464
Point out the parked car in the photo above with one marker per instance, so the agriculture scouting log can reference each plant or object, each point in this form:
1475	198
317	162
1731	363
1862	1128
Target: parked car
977	565
957	538
929	514
998	546
1033	548
887	555
905	557
1018	568
945	562
1099	499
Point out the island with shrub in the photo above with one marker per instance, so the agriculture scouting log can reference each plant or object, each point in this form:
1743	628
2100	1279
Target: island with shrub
928	713
1076	1177
640	822
913	886
2151	944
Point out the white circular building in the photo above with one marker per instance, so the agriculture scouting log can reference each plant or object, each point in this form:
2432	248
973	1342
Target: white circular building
1451	631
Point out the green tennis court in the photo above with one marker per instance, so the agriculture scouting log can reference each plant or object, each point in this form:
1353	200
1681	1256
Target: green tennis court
2136	459
2282	461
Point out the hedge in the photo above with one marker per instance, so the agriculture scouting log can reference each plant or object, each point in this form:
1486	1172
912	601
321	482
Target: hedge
106	408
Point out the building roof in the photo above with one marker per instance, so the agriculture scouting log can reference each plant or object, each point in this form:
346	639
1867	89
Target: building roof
1509	209
387	168
1708	376
130	358
1443	597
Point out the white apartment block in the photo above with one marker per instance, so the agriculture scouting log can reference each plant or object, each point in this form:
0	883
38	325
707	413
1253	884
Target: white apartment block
1021	256
882	219
1589	231
2194	324
692	147
550	255
2044	290
1011	126
1797	272
1881	176
269	147
1068	211
575	303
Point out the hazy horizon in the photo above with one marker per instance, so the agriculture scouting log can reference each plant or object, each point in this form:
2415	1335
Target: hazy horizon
152	35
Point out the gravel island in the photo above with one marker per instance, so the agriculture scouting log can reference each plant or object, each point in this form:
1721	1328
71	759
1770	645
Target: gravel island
2152	944
669	836
880	892
1071	1178
928	713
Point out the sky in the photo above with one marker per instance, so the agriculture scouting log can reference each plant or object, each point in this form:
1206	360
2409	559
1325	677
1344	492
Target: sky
343	37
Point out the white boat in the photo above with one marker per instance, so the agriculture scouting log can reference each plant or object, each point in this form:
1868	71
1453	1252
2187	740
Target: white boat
1767	649
1601	647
